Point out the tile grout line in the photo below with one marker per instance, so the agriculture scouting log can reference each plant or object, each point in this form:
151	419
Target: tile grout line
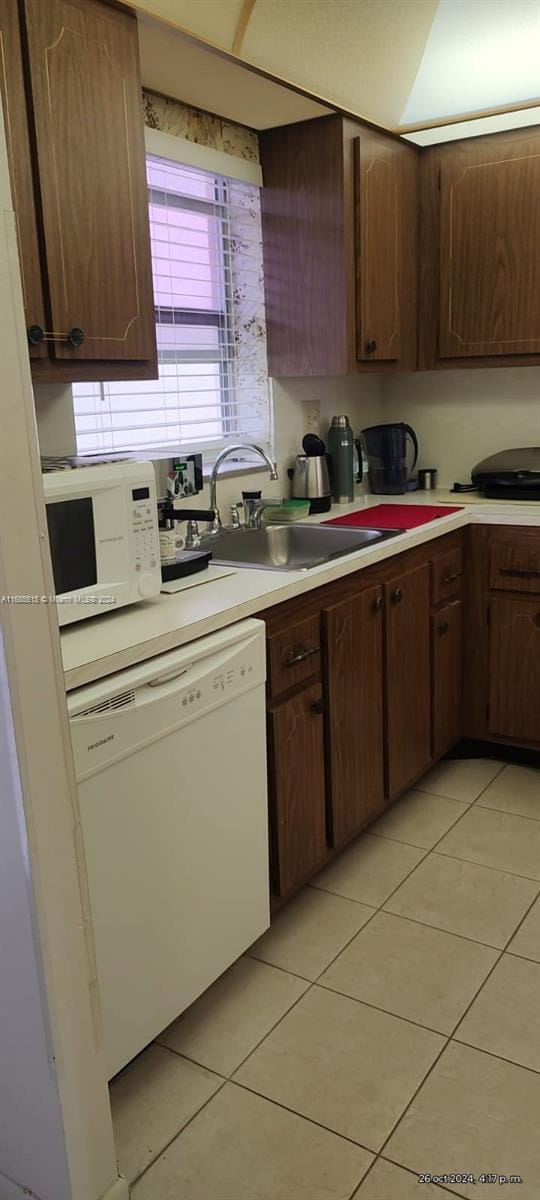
132	1182
301	1116
450	1038
473	862
312	983
230	1077
438	1187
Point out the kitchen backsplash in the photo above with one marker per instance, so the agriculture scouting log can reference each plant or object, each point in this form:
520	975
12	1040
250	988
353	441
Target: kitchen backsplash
462	416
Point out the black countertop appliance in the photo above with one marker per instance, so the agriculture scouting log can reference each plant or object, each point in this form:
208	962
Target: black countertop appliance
509	475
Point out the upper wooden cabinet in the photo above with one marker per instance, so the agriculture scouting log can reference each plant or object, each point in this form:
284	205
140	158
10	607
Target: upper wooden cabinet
480	251
339	208
85	139
20	169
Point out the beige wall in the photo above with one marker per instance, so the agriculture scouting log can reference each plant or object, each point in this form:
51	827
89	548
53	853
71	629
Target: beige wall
462	416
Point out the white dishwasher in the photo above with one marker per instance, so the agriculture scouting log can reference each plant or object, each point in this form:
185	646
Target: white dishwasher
170	759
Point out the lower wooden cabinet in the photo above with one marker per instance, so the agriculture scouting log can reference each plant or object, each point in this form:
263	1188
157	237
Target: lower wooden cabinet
514	668
297	789
502	635
407	683
447	677
353	683
363	693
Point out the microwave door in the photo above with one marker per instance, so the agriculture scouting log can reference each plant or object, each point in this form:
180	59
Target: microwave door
73	544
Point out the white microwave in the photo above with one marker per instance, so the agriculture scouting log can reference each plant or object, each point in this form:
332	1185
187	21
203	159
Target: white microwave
103	535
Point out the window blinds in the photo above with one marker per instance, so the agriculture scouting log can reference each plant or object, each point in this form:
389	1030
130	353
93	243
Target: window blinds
208	291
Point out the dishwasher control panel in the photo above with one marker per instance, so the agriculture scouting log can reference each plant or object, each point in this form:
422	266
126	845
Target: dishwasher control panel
123	714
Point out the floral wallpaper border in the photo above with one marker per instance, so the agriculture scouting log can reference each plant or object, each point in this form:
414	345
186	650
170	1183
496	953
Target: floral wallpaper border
170	116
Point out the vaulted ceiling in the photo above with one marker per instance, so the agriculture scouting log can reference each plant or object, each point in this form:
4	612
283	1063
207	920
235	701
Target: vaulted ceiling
395	62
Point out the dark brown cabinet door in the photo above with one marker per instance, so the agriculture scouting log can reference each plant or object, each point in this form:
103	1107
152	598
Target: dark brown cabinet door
408	707
514	668
447	679
490	247
378	236
86	95
20	168
297	789
353	682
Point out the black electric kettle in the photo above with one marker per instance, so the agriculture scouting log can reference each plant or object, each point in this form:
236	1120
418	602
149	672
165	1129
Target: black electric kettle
386	448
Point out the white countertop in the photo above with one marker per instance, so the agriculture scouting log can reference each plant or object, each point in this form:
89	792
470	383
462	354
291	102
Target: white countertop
94	648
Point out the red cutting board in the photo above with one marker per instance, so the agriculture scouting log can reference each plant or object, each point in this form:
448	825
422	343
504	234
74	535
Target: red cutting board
396	516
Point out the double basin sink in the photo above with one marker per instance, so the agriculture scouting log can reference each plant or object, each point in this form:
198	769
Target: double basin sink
291	547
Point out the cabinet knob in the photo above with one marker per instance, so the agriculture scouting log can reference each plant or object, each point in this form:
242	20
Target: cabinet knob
371	346
317	707
35	335
443	627
377	604
397	596
75	336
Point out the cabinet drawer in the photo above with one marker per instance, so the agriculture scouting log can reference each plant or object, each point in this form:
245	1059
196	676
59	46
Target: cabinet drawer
446	575
294	654
516	567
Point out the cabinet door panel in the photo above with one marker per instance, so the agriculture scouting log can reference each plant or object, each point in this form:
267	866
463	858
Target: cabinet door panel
90	146
490	248
408	707
353	674
378	233
297	789
514	668
20	168
447	692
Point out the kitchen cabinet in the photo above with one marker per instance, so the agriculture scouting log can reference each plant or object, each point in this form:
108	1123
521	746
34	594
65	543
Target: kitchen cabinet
514	668
79	117
408	743
20	169
297	789
353	680
339	214
502	635
364	693
480	237
447	676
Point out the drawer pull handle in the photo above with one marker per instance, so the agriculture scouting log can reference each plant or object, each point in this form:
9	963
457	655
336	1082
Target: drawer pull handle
317	707
300	657
443	627
396	596
451	578
520	572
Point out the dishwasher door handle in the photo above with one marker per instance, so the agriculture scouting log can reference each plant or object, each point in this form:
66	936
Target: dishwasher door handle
168	676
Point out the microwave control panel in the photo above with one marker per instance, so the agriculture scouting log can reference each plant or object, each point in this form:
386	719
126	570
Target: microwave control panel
145	538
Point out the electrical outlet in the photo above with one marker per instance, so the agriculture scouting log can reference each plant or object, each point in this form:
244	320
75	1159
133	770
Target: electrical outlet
311	416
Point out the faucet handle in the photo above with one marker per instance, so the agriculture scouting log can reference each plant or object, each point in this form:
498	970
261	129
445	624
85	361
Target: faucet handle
234	517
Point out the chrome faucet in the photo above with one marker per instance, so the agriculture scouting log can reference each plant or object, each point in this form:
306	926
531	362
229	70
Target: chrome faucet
243	446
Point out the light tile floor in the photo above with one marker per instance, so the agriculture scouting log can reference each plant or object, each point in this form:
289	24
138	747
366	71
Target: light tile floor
388	1025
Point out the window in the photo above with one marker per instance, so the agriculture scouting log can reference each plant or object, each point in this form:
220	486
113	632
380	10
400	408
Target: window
208	288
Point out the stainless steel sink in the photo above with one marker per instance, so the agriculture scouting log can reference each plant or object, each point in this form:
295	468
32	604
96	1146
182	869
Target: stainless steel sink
294	547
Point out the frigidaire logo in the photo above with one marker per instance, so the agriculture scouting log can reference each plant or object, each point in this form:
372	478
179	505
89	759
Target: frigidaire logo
102	742
103	541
